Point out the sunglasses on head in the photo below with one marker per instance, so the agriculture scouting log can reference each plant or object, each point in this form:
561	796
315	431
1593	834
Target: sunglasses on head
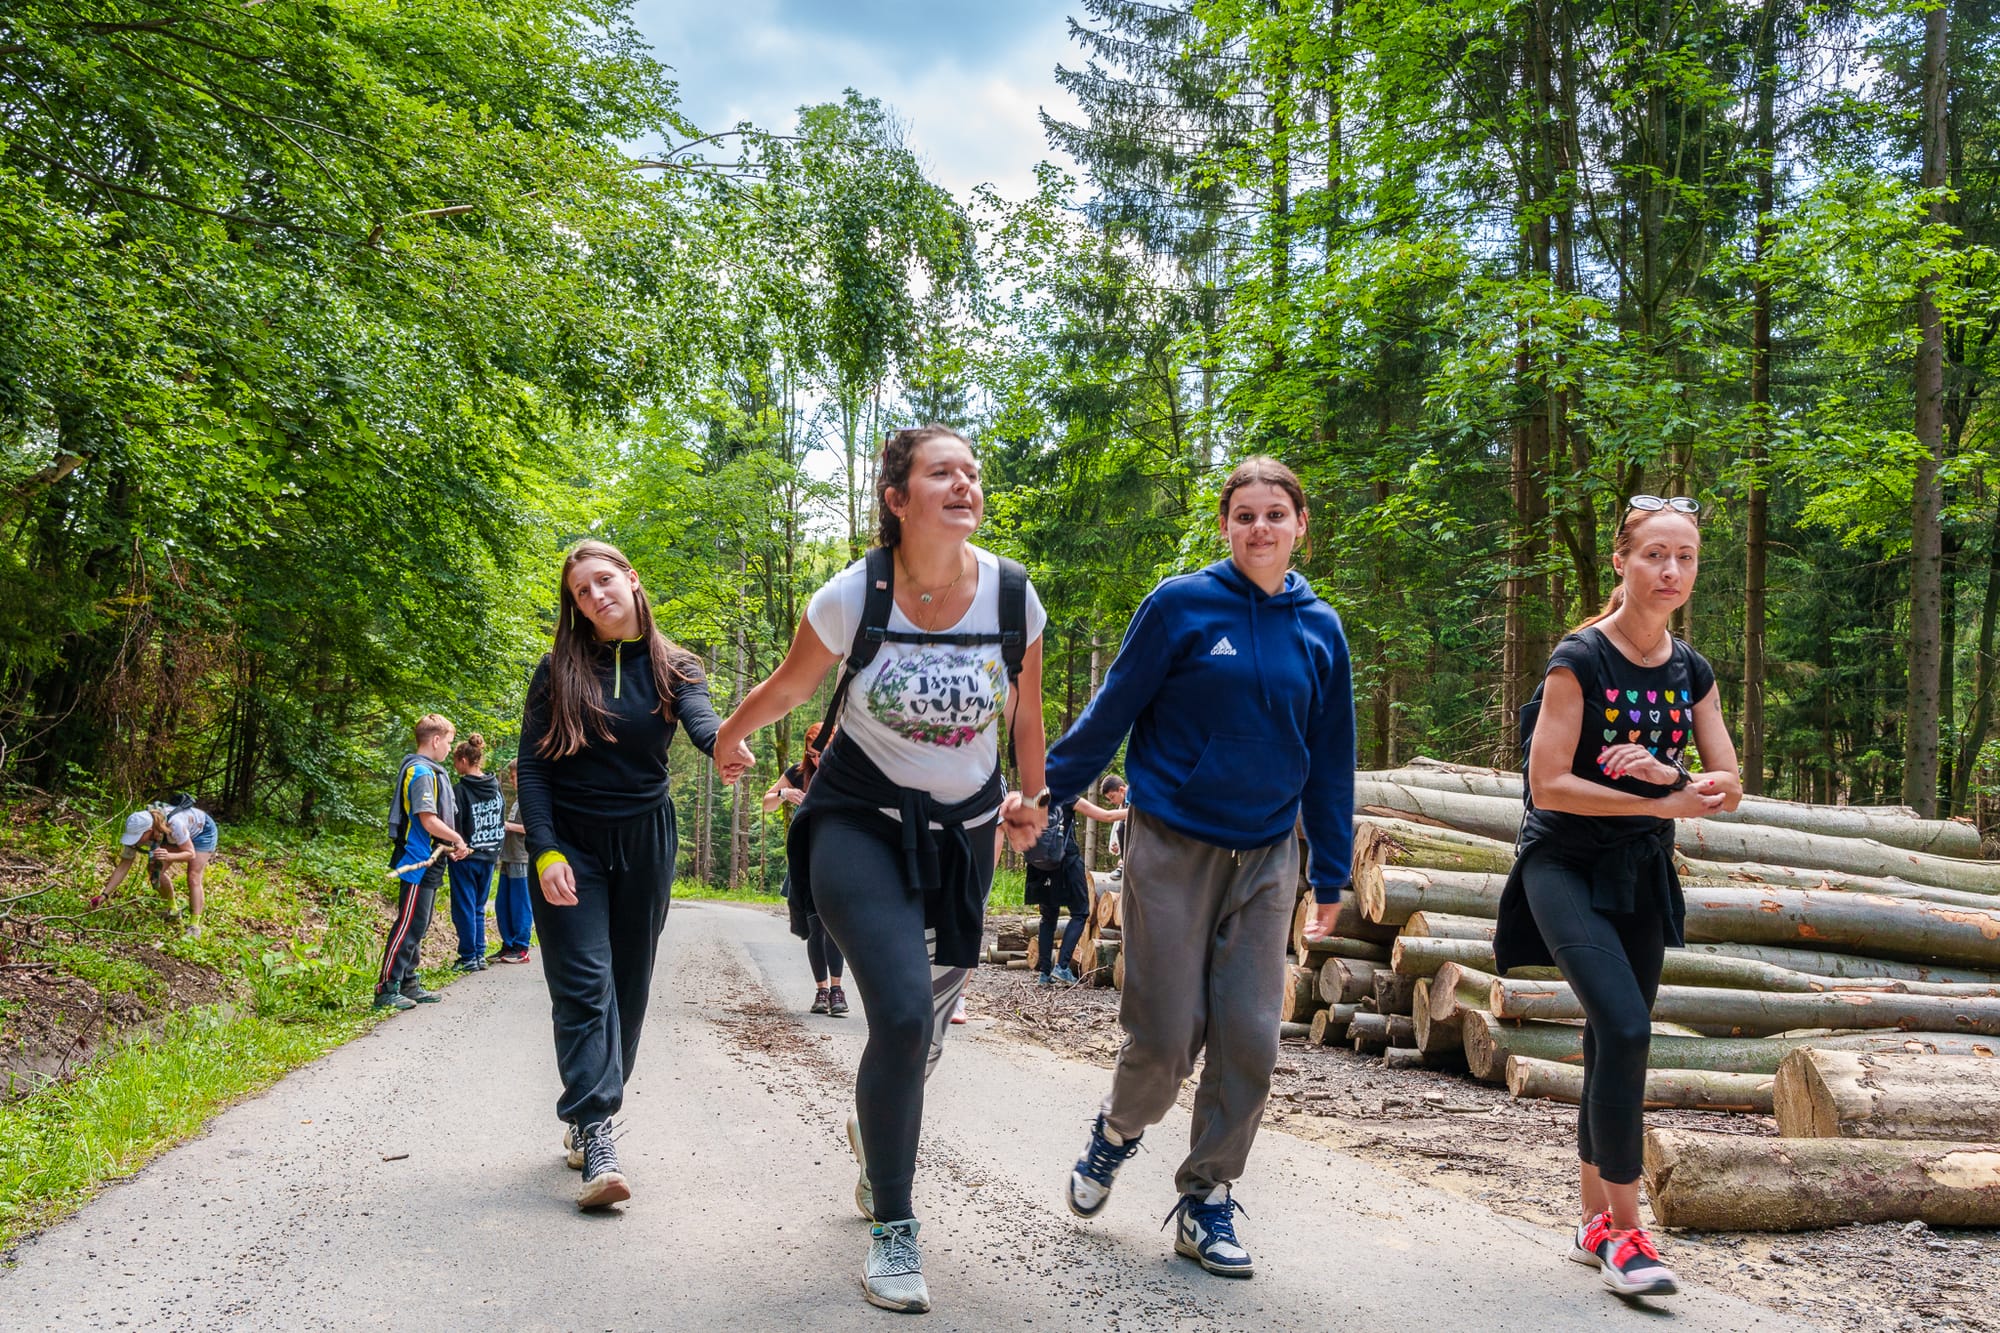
1653	504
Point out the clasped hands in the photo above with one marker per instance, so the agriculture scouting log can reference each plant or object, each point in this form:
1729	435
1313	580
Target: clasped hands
1706	794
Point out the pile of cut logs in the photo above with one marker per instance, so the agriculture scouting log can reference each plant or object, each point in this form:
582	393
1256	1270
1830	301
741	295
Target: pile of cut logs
1842	972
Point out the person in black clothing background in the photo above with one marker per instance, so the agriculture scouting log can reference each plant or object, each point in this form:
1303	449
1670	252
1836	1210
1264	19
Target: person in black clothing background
822	954
1067	886
1593	888
600	714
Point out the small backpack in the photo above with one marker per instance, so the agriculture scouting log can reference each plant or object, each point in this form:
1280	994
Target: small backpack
1050	850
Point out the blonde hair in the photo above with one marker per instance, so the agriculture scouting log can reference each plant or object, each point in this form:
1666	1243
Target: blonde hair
434	724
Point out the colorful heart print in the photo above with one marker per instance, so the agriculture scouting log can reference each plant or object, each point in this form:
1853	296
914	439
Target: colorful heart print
1633	737
1653	716
1677	735
1632	696
1610	736
1611	695
1670	696
1635	715
1652	696
1653	736
1674	713
1610	715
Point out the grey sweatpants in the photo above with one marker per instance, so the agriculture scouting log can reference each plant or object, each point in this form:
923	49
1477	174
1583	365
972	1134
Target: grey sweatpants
1204	942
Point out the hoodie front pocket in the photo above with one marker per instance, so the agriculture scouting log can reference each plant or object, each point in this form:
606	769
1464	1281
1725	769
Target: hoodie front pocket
1243	781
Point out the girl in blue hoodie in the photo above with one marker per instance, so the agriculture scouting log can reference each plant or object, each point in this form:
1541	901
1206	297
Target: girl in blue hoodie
1234	685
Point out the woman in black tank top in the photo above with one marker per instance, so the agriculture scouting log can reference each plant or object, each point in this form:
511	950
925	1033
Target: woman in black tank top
1593	888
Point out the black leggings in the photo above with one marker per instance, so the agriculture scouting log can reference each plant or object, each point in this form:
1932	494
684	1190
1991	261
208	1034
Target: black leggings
1612	962
822	952
1073	932
862	892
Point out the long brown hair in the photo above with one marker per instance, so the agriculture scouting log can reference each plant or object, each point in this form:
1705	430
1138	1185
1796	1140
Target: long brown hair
892	473
1264	470
809	758
1621	546
576	703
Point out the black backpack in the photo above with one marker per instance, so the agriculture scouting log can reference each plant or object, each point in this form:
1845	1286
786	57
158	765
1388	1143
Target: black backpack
874	631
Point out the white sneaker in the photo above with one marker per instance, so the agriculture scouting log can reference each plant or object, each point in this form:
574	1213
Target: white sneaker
958	1010
1207	1233
893	1278
864	1193
572	1150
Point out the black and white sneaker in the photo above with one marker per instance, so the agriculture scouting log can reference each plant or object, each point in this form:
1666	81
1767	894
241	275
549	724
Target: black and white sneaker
1632	1266
1207	1233
603	1183
1089	1185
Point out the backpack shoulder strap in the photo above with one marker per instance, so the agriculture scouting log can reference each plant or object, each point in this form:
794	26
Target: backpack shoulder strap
1013	615
878	600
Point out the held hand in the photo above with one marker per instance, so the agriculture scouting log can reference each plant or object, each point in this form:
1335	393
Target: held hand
1321	923
559	885
460	852
1022	823
792	796
1691	803
735	764
1728	786
1635	761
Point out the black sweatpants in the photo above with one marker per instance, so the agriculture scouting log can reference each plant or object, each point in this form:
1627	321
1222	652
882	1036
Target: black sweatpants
822	952
415	905
861	890
1048	959
597	956
1612	961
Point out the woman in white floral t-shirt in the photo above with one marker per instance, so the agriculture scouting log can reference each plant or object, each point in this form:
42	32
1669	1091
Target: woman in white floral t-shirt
894	845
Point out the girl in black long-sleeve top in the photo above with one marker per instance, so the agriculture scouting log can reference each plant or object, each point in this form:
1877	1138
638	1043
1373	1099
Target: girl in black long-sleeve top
600	715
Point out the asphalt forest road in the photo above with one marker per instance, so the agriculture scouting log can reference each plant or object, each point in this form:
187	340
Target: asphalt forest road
413	1179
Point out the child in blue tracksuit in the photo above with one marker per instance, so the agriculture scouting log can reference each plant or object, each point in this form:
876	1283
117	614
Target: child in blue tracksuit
1234	685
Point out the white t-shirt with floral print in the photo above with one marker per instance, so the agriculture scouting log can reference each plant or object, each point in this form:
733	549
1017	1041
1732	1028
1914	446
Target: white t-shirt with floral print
924	713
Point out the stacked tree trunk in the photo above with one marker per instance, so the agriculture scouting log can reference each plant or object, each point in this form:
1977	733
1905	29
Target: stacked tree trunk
1842	972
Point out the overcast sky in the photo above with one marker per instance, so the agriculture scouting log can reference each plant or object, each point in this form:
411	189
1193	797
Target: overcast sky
967	76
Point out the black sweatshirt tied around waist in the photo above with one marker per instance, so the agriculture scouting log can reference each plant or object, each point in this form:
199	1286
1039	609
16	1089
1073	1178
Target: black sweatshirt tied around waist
937	861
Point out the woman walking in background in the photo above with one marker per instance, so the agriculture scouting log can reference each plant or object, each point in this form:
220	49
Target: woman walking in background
1593	889
601	713
822	954
1234	686
894	843
513	911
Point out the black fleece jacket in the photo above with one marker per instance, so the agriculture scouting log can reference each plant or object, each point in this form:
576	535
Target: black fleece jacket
616	780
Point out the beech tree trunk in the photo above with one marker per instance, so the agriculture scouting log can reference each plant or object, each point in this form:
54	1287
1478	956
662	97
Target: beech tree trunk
1329	1025
1347	980
1434	1036
1489	1041
1896	826
1301	995
1827	1094
1350	925
1498	820
1399	842
1677	1089
1443	926
1736	1182
1389	894
1746	1013
1393	994
1728	874
1847	922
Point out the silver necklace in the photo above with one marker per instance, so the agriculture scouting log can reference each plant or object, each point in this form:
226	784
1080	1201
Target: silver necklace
1645	654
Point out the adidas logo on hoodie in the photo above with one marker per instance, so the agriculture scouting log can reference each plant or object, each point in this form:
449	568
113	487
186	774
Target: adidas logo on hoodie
1223	648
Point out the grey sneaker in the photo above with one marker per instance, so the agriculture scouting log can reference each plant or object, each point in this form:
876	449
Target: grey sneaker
893	1278
864	1193
391	1000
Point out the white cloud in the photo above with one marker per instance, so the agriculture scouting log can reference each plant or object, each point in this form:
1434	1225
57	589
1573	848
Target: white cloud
968	80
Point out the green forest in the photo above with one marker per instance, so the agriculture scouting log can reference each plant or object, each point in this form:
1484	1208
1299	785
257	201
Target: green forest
325	328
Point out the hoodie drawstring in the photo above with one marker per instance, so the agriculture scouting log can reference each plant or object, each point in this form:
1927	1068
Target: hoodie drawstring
617	670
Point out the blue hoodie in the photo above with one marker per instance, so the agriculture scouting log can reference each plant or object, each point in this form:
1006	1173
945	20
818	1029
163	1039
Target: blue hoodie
1241	710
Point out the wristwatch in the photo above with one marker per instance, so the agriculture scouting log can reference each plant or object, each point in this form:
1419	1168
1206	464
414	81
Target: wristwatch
1683	780
1040	800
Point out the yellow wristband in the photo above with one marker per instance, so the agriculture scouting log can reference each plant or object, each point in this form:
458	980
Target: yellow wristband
547	859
